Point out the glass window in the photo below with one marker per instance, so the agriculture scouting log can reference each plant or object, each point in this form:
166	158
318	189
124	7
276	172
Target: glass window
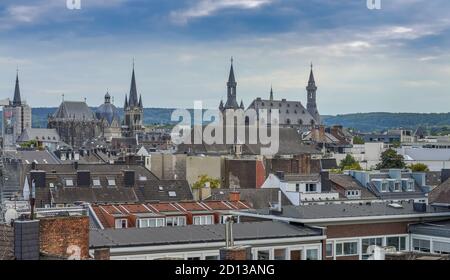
346	248
312	254
211	258
311	187
263	255
365	243
112	182
96	182
441	247
421	245
280	254
399	242
203	220
329	250
172	194
69	183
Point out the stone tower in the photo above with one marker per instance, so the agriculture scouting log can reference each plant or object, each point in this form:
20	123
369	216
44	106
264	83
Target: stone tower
311	104
134	111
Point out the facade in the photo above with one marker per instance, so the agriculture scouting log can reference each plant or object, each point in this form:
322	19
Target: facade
45	138
75	123
292	113
134	112
16	118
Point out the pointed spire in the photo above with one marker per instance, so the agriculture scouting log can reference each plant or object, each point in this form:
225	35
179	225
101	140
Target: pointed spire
17	101
140	101
271	93
125	106
221	105
242	105
107	97
133	90
311	76
231	78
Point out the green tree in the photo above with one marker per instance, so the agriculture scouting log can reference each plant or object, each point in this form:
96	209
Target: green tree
203	180
390	159
358	140
349	163
419	167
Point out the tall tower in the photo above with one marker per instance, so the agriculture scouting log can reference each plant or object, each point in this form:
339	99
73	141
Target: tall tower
311	105
231	92
134	111
16	117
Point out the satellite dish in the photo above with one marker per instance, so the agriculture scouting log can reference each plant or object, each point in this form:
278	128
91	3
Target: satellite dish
11	214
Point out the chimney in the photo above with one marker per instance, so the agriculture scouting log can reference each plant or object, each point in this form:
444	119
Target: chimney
445	175
26	240
129	178
33	165
280	208
75	165
239	253
321	133
235	196
325	181
39	177
420	207
280	175
83	178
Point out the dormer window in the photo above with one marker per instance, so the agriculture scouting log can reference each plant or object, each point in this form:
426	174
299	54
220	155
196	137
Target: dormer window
384	187
96	182
142	178
69	182
397	187
172	194
111	182
410	186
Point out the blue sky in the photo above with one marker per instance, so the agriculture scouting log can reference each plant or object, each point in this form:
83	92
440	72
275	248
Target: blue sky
396	59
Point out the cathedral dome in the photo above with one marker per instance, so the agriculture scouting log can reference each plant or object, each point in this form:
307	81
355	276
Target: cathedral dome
108	111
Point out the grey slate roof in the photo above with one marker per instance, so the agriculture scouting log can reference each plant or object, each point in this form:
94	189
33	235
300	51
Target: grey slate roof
195	234
440	229
256	198
42	157
74	110
42	134
150	190
349	210
347	182
441	194
91	195
289	144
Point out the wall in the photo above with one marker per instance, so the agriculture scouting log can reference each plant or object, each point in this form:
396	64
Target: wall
65	236
212	166
167	166
6	242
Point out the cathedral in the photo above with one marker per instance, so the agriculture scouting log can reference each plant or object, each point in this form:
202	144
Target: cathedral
231	103
108	114
134	111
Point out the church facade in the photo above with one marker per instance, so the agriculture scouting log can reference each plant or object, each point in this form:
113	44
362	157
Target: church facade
16	118
292	113
134	112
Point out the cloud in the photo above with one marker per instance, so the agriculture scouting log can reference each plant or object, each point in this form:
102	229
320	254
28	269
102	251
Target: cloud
206	8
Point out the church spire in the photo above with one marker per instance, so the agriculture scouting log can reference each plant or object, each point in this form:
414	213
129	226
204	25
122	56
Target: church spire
231	102
17	101
242	105
140	101
271	93
311	80
231	78
133	91
125	106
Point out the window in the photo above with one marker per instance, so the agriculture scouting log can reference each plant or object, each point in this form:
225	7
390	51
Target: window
312	254
112	182
203	220
263	255
346	248
142	178
297	187
311	187
153	222
421	245
365	243
384	187
121	223
193	258
410	186
175	221
172	194
329	250
96	182
441	247
212	258
279	254
397	187
399	242
69	183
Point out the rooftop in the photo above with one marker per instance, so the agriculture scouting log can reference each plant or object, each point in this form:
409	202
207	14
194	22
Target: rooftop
195	234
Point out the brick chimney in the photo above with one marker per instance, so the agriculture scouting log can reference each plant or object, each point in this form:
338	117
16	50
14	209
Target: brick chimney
238	253
235	196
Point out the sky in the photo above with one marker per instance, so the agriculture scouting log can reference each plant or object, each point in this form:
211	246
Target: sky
395	59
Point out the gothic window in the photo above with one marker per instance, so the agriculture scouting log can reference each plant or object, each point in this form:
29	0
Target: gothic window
287	111
312	122
300	121
295	111
262	104
288	121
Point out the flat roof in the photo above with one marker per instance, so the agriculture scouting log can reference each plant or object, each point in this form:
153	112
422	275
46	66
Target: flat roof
133	237
440	229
